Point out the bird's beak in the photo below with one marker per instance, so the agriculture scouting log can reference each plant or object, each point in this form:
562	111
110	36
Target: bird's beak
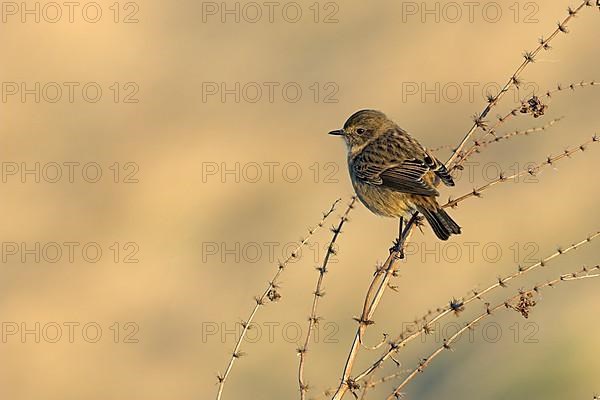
339	132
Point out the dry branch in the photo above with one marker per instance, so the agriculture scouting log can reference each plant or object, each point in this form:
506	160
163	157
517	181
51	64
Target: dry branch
521	302
271	294
313	319
528	58
455	306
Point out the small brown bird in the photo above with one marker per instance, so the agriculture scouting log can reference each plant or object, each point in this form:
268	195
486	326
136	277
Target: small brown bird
392	174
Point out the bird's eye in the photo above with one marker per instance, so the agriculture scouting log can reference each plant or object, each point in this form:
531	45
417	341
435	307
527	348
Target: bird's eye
360	131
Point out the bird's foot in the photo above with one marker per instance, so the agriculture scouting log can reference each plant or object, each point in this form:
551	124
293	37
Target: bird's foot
397	249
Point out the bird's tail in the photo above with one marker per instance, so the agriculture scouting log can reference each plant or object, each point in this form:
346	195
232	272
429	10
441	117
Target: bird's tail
441	223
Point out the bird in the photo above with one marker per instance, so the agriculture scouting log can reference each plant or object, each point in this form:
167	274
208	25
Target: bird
393	175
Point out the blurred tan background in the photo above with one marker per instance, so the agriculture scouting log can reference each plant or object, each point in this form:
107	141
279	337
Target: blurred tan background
207	242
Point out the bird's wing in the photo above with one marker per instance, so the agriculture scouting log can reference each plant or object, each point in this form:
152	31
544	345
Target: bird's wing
379	168
408	178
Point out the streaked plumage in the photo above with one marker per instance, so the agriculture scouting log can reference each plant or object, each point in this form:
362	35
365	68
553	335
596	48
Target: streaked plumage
392	173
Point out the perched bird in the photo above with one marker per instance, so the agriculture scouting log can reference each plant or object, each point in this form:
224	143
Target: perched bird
392	174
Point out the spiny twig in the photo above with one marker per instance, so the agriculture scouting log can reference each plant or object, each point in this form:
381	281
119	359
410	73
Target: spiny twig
532	105
525	132
521	302
529	171
271	294
480	144
528	58
571	86
435	149
457	306
374	295
370	384
313	320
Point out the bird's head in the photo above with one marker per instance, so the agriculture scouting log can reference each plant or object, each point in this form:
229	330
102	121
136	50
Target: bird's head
362	127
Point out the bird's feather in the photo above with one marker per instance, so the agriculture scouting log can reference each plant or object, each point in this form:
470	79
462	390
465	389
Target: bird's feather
384	163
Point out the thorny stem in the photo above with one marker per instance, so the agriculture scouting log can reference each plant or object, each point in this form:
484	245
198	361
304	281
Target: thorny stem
522	132
373	297
512	113
528	58
375	382
585	273
318	293
260	301
476	147
530	171
456	305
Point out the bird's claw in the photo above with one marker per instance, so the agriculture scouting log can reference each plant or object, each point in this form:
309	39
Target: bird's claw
397	249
